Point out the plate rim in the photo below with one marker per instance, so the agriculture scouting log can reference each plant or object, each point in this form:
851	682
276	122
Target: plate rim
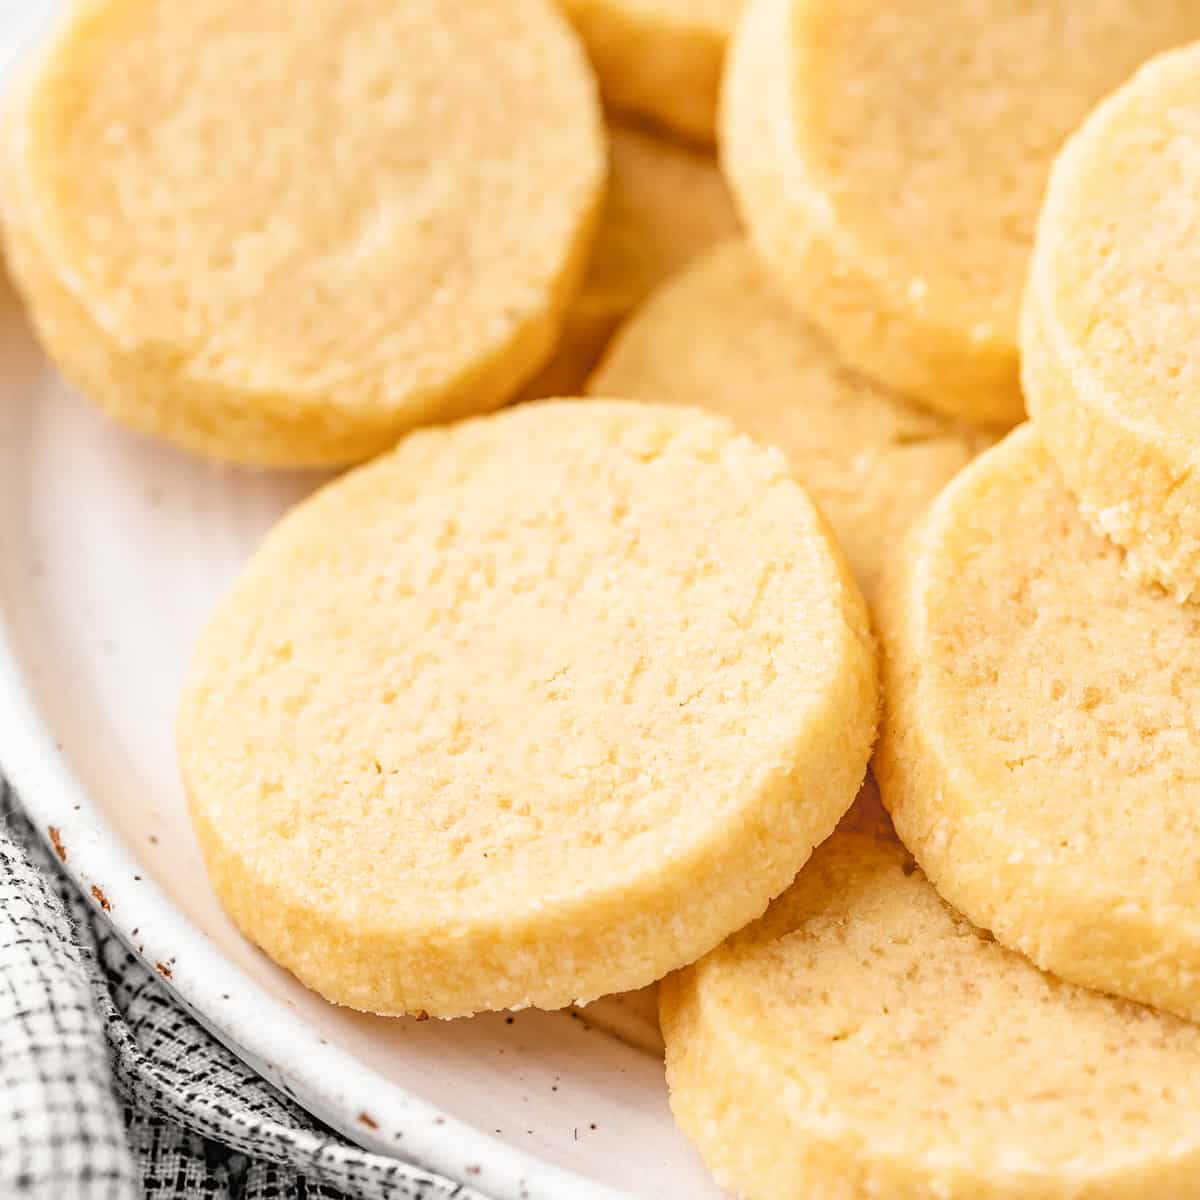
285	1050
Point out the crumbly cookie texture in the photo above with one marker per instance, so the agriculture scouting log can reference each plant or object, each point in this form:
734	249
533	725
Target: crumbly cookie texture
1039	746
890	160
481	720
862	1040
721	335
660	60
665	205
1112	322
289	241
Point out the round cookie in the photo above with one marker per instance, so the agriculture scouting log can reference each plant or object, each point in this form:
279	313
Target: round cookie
1112	322
1040	750
890	160
659	59
862	1040
721	335
481	720
289	241
665	205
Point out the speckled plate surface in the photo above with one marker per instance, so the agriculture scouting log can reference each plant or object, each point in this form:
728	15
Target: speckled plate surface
112	552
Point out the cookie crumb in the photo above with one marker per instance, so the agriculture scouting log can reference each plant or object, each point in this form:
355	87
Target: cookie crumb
56	842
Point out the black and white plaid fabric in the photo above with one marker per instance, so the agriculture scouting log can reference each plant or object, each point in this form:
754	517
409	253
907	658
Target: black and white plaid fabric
110	1091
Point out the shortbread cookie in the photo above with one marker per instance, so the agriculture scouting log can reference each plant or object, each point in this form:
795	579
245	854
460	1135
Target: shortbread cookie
665	205
482	720
1041	744
288	241
720	335
659	59
864	1041
889	160
1111	334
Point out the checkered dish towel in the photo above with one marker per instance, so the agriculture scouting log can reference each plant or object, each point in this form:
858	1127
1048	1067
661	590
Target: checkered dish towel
110	1091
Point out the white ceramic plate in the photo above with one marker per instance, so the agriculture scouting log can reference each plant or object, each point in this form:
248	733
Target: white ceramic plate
112	552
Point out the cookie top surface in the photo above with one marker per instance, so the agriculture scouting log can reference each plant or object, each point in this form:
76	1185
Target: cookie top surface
721	335
1117	256
864	1032
1039	749
1110	321
876	115
365	202
523	685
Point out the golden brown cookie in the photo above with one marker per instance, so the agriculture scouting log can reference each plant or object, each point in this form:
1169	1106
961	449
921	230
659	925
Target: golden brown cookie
1040	750
481	720
889	160
289	241
863	1040
1112	322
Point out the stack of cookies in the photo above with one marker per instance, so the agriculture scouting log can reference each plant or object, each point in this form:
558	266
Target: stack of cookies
544	705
